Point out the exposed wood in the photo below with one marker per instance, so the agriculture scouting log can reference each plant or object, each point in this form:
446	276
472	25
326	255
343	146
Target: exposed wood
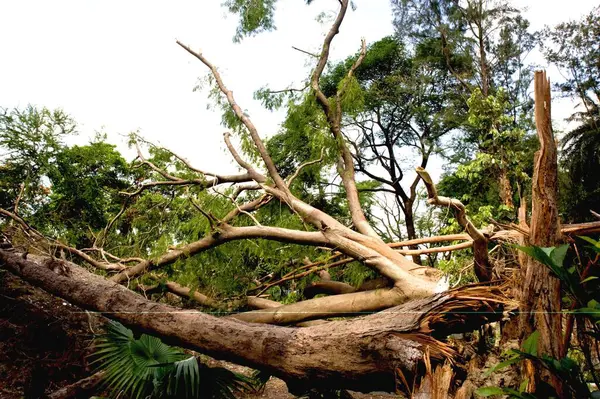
522	240
430	240
262	303
436	384
541	295
580	228
434	250
350	304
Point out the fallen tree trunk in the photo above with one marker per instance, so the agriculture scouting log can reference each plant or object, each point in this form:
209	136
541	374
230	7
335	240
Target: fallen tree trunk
362	354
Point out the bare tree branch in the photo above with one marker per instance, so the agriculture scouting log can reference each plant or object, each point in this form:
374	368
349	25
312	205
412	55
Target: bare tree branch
483	266
53	243
279	183
306	52
305	165
259	178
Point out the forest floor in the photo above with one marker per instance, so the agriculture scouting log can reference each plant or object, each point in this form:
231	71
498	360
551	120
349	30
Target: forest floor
45	343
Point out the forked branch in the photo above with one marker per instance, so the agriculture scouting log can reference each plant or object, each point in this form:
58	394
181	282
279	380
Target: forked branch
279	183
483	266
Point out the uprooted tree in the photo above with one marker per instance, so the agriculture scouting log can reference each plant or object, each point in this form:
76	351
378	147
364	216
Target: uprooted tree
299	342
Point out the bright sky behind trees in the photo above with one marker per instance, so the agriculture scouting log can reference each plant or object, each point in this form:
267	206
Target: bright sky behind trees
115	67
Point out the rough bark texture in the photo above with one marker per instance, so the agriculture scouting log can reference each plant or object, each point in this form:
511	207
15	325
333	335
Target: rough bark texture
411	232
506	193
541	299
362	353
79	389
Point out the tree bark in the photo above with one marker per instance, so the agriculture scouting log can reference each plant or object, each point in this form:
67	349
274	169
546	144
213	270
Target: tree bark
483	266
82	388
327	287
362	354
411	232
541	297
506	193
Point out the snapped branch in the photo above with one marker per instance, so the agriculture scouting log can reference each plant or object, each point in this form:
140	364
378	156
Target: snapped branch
483	265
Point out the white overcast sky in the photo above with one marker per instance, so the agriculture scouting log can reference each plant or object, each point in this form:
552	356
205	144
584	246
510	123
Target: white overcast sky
114	65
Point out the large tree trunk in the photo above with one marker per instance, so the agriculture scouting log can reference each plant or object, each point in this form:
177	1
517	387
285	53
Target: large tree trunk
541	296
363	353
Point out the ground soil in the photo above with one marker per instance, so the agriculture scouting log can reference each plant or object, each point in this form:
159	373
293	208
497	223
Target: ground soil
44	341
45	344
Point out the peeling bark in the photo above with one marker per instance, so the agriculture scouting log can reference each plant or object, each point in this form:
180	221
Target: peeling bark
541	295
361	354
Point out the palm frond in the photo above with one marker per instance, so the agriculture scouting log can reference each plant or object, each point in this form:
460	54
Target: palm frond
148	368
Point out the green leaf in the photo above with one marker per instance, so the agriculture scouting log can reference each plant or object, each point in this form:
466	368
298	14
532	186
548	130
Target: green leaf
502	365
489	391
538	253
530	345
558	254
512	393
131	364
595	244
588	279
523	385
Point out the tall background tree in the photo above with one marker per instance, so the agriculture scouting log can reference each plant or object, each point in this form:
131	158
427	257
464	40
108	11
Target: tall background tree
574	48
492	40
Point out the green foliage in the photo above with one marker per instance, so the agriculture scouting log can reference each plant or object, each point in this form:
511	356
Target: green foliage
65	192
512	393
566	369
255	16
148	368
30	139
504	151
574	47
581	158
582	291
303	135
355	274
458	269
400	103
484	45
127	360
85	185
528	348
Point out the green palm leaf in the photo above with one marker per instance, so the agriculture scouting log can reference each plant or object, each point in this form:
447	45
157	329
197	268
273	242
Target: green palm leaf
148	368
128	361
